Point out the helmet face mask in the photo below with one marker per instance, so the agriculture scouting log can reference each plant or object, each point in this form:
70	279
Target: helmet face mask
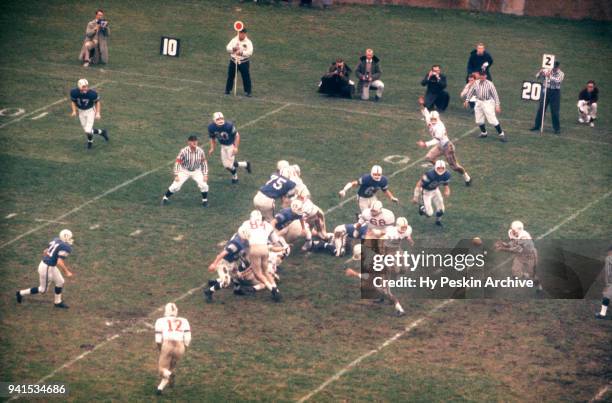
218	118
376	208
434	117
376	172
281	164
402	224
515	229
66	236
440	167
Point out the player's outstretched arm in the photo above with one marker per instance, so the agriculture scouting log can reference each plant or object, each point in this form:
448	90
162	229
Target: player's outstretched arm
64	268
73	105
391	196
98	109
213	265
347	187
417	192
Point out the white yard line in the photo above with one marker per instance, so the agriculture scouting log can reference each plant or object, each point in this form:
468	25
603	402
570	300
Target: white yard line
122	185
10	122
137	232
9	216
42	115
49	221
420	320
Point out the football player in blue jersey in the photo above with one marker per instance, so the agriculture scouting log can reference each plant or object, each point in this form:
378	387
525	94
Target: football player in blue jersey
53	258
227	135
369	184
87	103
277	187
226	263
288	215
427	191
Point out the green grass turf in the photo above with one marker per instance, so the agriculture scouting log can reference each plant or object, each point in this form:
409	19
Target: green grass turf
251	349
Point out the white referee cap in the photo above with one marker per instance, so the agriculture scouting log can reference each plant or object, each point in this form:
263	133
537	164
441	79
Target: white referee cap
218	115
82	83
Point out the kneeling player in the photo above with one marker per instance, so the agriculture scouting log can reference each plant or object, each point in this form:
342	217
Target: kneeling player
172	335
427	191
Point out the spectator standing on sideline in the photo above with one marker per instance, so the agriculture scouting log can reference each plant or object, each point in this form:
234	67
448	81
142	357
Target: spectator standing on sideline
435	96
95	45
553	96
480	60
587	103
240	49
368	71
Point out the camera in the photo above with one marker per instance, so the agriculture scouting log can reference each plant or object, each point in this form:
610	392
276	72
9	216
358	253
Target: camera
102	23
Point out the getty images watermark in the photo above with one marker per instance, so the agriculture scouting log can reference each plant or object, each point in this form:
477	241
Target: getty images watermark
557	269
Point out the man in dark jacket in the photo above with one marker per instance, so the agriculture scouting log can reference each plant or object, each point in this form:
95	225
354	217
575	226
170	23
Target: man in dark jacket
435	96
480	60
587	103
336	80
368	72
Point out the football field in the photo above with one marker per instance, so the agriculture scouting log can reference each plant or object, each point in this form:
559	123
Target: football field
322	342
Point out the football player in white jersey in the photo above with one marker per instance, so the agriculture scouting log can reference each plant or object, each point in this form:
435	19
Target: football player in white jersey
378	219
440	143
260	232
172	335
521	245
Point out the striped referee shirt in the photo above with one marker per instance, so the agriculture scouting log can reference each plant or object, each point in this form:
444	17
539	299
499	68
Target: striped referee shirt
484	90
191	160
555	78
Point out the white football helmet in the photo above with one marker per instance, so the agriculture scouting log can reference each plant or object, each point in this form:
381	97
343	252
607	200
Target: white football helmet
297	206
281	164
357	252
171	309
376	208
82	83
218	118
376	172
515	229
440	165
434	116
402	224
296	170
256	216
66	236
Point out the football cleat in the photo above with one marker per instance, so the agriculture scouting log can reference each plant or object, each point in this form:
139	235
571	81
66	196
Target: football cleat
502	137
248	167
61	305
483	135
158	392
421	210
204	203
599	316
104	134
468	183
439	224
276	295
18	297
399	313
164	201
208	295
234	181
89	145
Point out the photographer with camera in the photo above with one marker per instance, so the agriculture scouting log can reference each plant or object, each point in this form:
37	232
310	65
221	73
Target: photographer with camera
336	81
95	45
368	71
435	96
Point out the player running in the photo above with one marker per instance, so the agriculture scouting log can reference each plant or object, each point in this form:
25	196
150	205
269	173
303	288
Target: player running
369	184
440	143
89	107
427	191
172	335
53	258
227	135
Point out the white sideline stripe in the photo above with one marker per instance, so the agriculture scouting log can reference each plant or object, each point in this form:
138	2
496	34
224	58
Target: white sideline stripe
413	163
601	394
124	184
46	107
10	216
417	322
49	221
78	208
137	232
42	115
362	357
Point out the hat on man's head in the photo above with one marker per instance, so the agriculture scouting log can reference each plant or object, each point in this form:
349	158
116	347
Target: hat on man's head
557	64
244	30
192	137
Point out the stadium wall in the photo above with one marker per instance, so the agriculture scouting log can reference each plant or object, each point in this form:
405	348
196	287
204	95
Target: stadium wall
572	9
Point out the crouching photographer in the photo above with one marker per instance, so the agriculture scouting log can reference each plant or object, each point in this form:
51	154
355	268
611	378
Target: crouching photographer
95	45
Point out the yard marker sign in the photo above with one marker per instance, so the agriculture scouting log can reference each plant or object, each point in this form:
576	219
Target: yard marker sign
170	46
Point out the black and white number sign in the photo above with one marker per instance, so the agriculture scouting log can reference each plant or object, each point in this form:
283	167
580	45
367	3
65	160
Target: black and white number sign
531	91
170	46
548	61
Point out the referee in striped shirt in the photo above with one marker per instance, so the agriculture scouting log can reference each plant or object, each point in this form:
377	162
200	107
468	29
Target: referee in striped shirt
553	96
487	104
190	163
